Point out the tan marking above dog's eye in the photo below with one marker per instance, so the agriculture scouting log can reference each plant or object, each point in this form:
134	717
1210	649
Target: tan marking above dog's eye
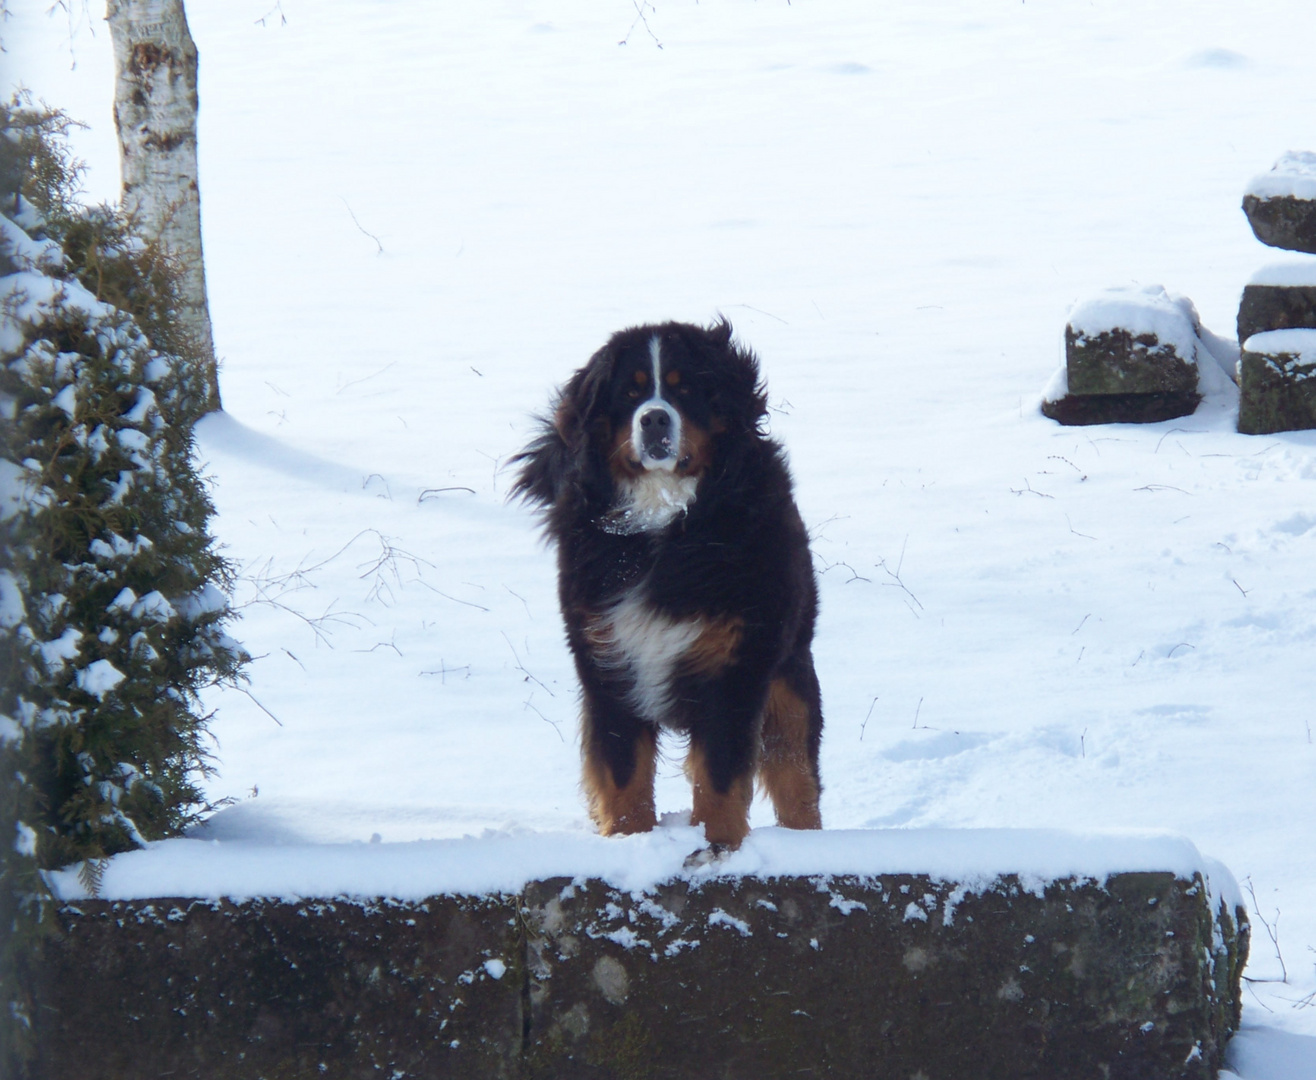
641	376
673	378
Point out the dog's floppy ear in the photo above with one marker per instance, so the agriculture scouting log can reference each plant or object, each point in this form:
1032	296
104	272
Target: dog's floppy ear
559	456
580	400
741	398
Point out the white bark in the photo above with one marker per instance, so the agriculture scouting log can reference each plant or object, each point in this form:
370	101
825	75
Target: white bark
155	110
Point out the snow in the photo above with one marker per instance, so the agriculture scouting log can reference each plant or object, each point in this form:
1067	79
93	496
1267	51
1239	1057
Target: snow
1300	344
1149	309
897	205
1286	273
98	678
42	256
12	611
63	648
1293	175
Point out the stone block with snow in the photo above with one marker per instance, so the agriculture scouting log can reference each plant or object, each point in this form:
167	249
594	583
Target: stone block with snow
1280	296
1281	204
1131	356
1277	382
990	953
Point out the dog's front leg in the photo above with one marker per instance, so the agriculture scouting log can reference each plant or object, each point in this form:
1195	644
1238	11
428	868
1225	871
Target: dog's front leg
620	755
723	713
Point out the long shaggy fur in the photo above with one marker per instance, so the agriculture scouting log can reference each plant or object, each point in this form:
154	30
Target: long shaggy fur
684	577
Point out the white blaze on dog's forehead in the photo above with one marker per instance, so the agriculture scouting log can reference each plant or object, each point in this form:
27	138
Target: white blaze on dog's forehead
655	401
656	358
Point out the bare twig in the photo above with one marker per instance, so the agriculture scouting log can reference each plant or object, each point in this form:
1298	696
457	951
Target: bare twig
390	644
816	532
1028	489
854	575
365	484
1075	531
917	710
365	378
896	580
523	602
277	8
1162	487
385	566
751	307
529	704
444	671
1172	431
244	690
363	228
1272	931
522	668
1058	457
454	599
430	493
639	6
872	705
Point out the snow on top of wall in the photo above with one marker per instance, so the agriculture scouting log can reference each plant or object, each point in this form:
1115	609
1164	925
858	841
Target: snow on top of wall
1293	175
1299	343
1286	273
1148	309
505	862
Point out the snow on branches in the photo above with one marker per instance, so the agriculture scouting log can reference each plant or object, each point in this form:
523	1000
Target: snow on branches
113	599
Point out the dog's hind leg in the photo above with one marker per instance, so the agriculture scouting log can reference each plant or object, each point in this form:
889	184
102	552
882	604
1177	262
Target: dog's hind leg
618	778
788	758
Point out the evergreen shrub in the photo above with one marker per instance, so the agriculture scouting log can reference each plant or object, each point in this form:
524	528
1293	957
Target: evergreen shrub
113	597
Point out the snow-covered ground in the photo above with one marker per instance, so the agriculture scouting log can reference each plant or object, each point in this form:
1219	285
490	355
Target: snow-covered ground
420	218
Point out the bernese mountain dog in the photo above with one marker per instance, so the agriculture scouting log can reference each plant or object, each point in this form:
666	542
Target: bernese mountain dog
685	580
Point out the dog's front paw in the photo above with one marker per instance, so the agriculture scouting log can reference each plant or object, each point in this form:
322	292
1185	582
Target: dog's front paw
706	855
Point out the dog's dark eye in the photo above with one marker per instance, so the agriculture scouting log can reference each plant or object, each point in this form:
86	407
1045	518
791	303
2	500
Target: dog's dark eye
634	395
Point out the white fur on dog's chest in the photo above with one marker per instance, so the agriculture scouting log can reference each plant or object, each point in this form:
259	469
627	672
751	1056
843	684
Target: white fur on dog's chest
632	636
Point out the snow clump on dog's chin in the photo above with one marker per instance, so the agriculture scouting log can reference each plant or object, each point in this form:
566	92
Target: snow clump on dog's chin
650	501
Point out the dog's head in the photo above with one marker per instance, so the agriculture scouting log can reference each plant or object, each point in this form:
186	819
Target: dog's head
655	406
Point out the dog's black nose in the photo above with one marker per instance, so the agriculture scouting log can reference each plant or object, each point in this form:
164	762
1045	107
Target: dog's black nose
655	420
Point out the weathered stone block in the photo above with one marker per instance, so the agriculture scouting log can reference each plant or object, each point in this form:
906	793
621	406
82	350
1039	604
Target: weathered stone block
1281	204
900	976
1277	382
1283	222
1078	409
1279	296
1130	357
704	975
334	989
1276	307
1119	361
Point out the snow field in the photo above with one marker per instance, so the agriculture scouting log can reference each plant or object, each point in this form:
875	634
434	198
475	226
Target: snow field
1022	625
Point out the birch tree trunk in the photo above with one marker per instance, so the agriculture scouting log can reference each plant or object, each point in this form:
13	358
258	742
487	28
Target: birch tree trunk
155	110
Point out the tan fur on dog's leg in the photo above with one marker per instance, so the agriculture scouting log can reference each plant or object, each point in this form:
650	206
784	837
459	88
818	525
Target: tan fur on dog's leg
784	767
724	816
619	810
